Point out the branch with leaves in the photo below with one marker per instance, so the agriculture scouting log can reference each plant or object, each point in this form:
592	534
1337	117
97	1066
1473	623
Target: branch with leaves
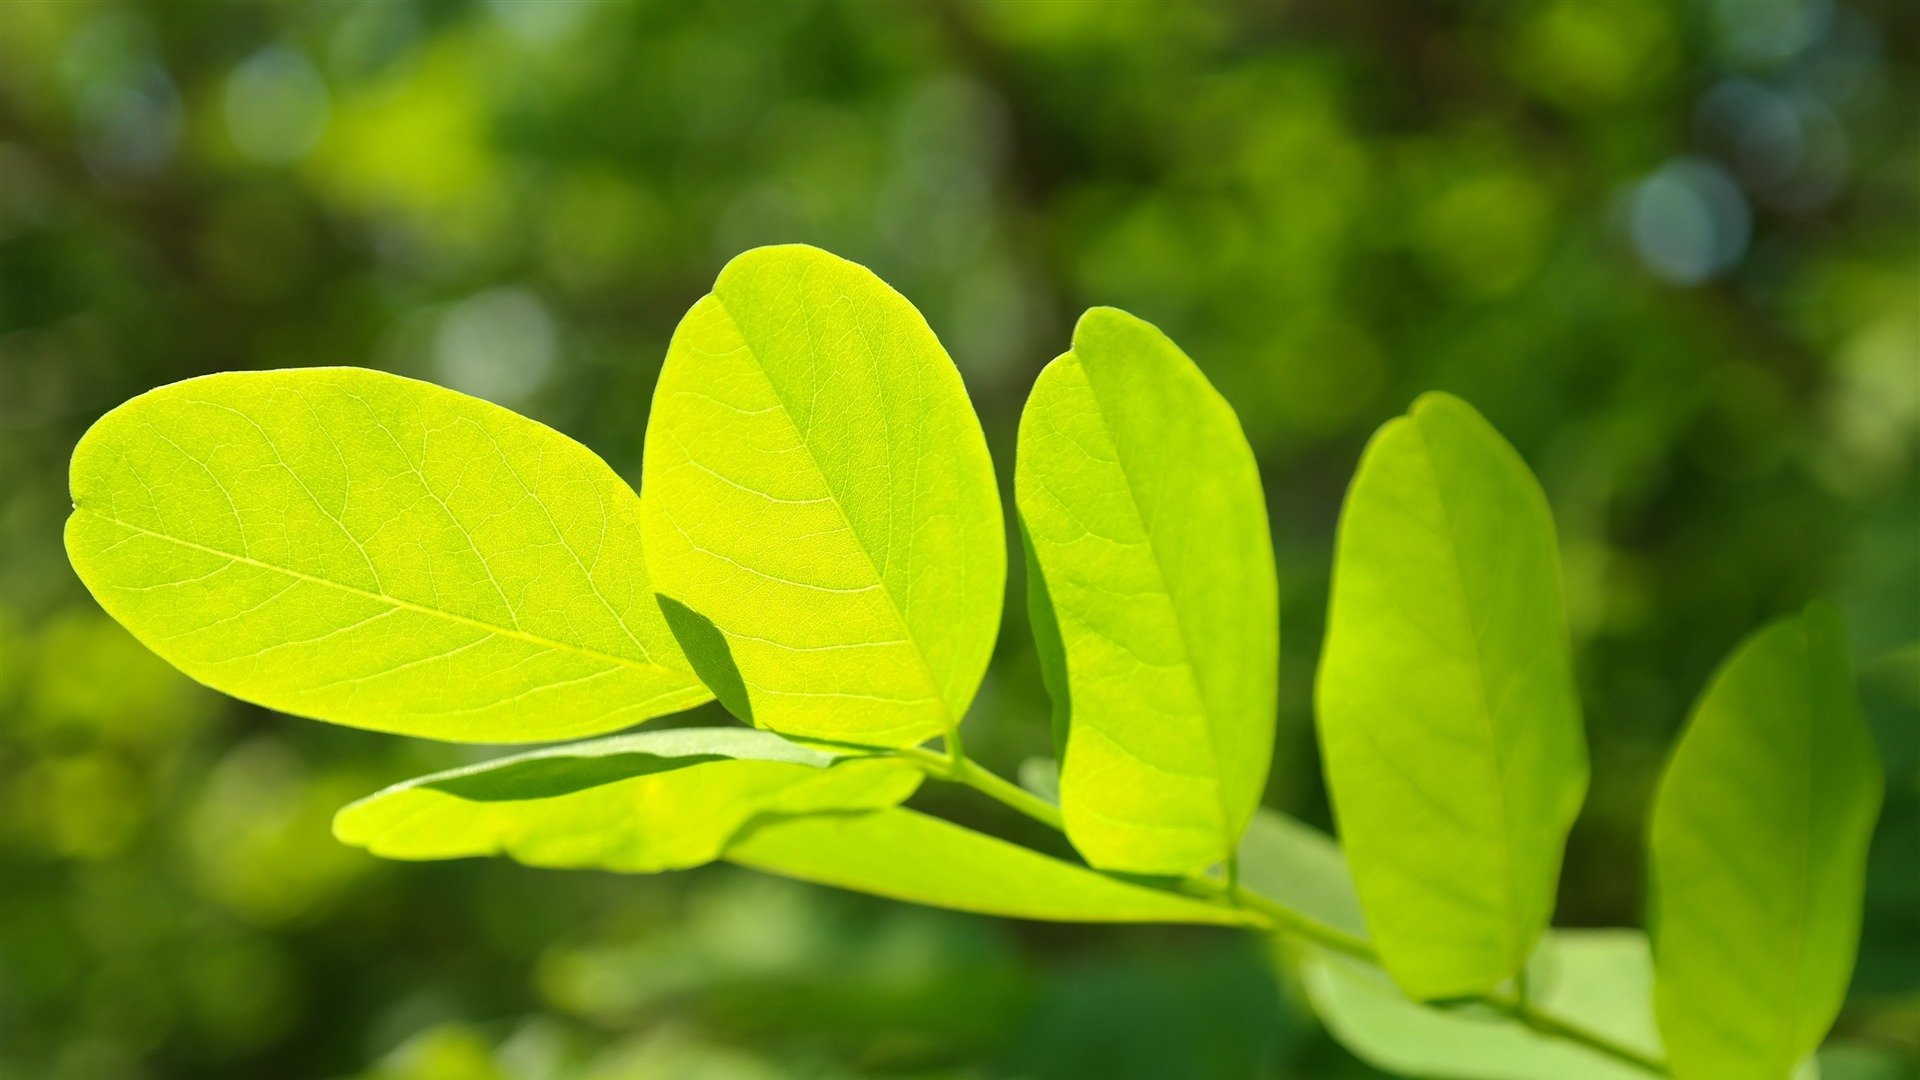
819	545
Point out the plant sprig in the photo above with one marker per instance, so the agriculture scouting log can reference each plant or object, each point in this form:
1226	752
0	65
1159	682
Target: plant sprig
820	547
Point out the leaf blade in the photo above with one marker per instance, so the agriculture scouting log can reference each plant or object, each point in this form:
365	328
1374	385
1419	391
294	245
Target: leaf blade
1147	527
909	856
1758	854
819	489
1445	697
355	547
658	800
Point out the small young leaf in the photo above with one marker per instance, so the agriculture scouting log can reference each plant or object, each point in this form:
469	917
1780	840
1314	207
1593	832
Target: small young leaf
1759	846
1447	712
909	856
817	488
659	800
1140	501
378	552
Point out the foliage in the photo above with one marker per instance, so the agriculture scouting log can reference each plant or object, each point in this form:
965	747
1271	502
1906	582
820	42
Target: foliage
804	409
1331	207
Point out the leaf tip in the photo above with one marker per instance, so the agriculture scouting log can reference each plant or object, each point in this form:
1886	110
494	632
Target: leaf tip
1439	402
1823	616
769	256
1101	324
348	826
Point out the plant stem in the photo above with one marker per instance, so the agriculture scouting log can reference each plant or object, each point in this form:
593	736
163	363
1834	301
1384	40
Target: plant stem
1555	1028
957	768
1010	794
1288	921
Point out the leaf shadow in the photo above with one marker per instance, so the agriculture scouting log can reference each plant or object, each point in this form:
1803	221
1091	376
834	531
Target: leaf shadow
546	777
1047	644
709	654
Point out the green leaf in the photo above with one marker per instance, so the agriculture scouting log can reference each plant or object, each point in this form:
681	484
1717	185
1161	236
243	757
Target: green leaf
909	856
378	552
818	491
659	800
1147	532
1759	847
1599	979
1447	712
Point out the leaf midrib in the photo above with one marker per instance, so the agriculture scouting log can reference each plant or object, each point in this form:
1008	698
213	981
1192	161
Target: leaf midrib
395	601
1207	709
948	722
1495	758
1803	850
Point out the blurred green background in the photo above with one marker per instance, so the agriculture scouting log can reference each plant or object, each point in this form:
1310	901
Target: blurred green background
1671	250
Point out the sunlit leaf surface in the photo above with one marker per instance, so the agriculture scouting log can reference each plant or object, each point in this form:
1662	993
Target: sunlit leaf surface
910	856
1155	603
375	551
820	505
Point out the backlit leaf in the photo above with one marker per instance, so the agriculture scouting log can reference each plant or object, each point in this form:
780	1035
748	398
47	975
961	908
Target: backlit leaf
820	504
1759	846
658	800
375	551
1147	531
1448	719
909	856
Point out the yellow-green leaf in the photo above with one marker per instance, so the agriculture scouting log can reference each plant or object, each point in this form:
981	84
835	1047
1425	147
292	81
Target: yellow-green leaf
820	504
1448	720
1140	501
658	800
378	552
909	856
1759	849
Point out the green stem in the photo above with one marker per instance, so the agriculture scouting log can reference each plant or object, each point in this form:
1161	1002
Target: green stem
1555	1028
959	769
1307	928
955	767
